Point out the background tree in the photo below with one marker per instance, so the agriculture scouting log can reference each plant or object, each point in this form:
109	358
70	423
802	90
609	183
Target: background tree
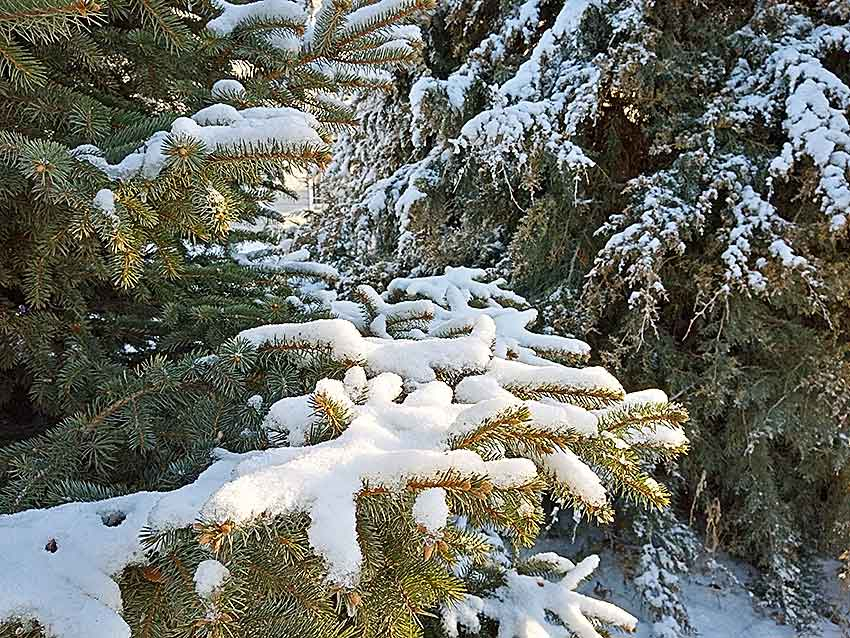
671	177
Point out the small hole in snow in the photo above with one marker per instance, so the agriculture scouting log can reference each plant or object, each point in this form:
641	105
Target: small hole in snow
51	546
113	519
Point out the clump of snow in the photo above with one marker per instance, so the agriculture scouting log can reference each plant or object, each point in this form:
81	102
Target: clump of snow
217	114
430	509
283	125
570	470
104	199
209	577
516	374
525	605
295	263
346	341
558	563
225	87
417	361
462	280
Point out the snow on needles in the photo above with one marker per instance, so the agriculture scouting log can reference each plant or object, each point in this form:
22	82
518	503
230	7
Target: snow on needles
219	126
401	429
523	607
234	14
209	577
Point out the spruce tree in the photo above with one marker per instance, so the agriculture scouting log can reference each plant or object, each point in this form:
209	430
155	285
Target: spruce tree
396	497
671	176
132	130
334	477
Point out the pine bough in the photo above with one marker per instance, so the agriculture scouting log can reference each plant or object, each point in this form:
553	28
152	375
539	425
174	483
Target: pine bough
410	483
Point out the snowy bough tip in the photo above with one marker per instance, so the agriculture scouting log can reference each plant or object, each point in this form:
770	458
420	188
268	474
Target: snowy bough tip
424	447
318	59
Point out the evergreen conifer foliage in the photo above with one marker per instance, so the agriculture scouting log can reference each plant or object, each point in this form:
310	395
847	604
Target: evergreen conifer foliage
393	499
133	127
256	277
675	174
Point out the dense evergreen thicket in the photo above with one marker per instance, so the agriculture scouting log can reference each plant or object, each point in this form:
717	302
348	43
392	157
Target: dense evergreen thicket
200	439
672	178
211	444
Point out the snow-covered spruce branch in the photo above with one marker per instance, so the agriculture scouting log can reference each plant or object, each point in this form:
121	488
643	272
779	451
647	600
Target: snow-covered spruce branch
781	81
292	72
542	110
417	450
669	211
319	70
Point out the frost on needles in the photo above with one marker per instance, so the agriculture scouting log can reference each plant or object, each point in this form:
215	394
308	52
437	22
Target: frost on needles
407	484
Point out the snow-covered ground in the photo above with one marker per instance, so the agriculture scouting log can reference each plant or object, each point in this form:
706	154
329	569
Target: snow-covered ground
717	607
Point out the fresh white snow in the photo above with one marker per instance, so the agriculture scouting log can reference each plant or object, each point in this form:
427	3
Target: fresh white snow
72	553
